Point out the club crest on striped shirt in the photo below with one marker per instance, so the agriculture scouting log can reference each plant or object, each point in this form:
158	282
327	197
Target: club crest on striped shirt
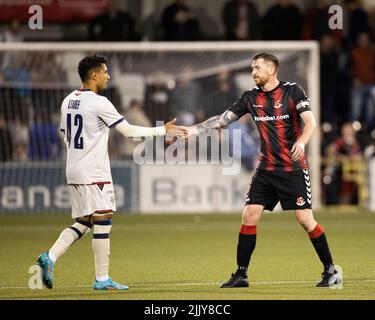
300	201
278	104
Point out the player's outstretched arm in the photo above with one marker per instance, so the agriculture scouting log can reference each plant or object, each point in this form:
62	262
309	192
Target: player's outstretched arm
215	122
169	128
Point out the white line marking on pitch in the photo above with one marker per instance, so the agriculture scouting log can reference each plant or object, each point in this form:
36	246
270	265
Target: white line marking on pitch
197	284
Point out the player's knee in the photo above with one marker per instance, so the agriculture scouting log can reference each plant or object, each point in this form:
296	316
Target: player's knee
102	225
250	217
102	228
98	217
306	220
83	226
85	218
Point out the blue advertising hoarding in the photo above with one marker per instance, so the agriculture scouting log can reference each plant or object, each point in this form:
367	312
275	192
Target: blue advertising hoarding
40	187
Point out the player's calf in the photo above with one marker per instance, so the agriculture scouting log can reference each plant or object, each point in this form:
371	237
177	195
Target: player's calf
245	247
101	246
68	237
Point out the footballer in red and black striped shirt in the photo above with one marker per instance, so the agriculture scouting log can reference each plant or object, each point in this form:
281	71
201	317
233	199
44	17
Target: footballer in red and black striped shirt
285	123
277	115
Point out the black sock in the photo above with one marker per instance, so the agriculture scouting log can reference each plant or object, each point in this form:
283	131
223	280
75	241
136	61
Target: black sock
321	247
245	247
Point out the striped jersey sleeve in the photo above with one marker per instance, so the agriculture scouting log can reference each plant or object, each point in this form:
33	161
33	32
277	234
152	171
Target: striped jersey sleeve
300	99
239	107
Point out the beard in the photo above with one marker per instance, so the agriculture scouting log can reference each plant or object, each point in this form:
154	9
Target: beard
260	82
102	87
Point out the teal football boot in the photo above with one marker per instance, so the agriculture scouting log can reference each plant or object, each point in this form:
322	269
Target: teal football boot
47	269
109	285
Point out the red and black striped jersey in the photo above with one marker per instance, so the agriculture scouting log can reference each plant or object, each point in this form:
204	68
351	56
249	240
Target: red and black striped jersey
276	114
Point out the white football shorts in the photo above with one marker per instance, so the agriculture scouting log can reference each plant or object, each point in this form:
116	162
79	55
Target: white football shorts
87	199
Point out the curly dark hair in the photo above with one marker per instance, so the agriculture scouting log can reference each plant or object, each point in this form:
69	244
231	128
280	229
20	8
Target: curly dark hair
87	64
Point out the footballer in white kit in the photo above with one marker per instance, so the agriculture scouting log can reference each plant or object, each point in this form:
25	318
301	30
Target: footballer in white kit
86	119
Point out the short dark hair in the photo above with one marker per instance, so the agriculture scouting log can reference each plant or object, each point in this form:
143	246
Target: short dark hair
87	64
267	57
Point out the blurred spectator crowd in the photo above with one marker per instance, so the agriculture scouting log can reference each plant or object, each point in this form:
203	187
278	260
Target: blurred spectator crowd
29	116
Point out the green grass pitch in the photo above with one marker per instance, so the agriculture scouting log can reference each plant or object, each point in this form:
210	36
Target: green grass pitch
187	256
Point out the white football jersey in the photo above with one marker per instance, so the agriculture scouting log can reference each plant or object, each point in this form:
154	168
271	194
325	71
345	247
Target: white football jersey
86	118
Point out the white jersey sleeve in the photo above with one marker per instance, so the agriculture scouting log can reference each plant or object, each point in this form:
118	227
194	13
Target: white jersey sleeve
107	112
129	130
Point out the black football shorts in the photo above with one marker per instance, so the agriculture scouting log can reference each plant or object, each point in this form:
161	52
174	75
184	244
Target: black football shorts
292	189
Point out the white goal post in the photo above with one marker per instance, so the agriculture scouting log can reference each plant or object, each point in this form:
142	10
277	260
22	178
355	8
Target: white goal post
203	50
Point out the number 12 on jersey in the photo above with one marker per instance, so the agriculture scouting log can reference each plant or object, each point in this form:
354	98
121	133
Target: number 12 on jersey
78	122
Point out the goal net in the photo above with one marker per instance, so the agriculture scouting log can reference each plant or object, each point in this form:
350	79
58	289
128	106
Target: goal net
149	82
